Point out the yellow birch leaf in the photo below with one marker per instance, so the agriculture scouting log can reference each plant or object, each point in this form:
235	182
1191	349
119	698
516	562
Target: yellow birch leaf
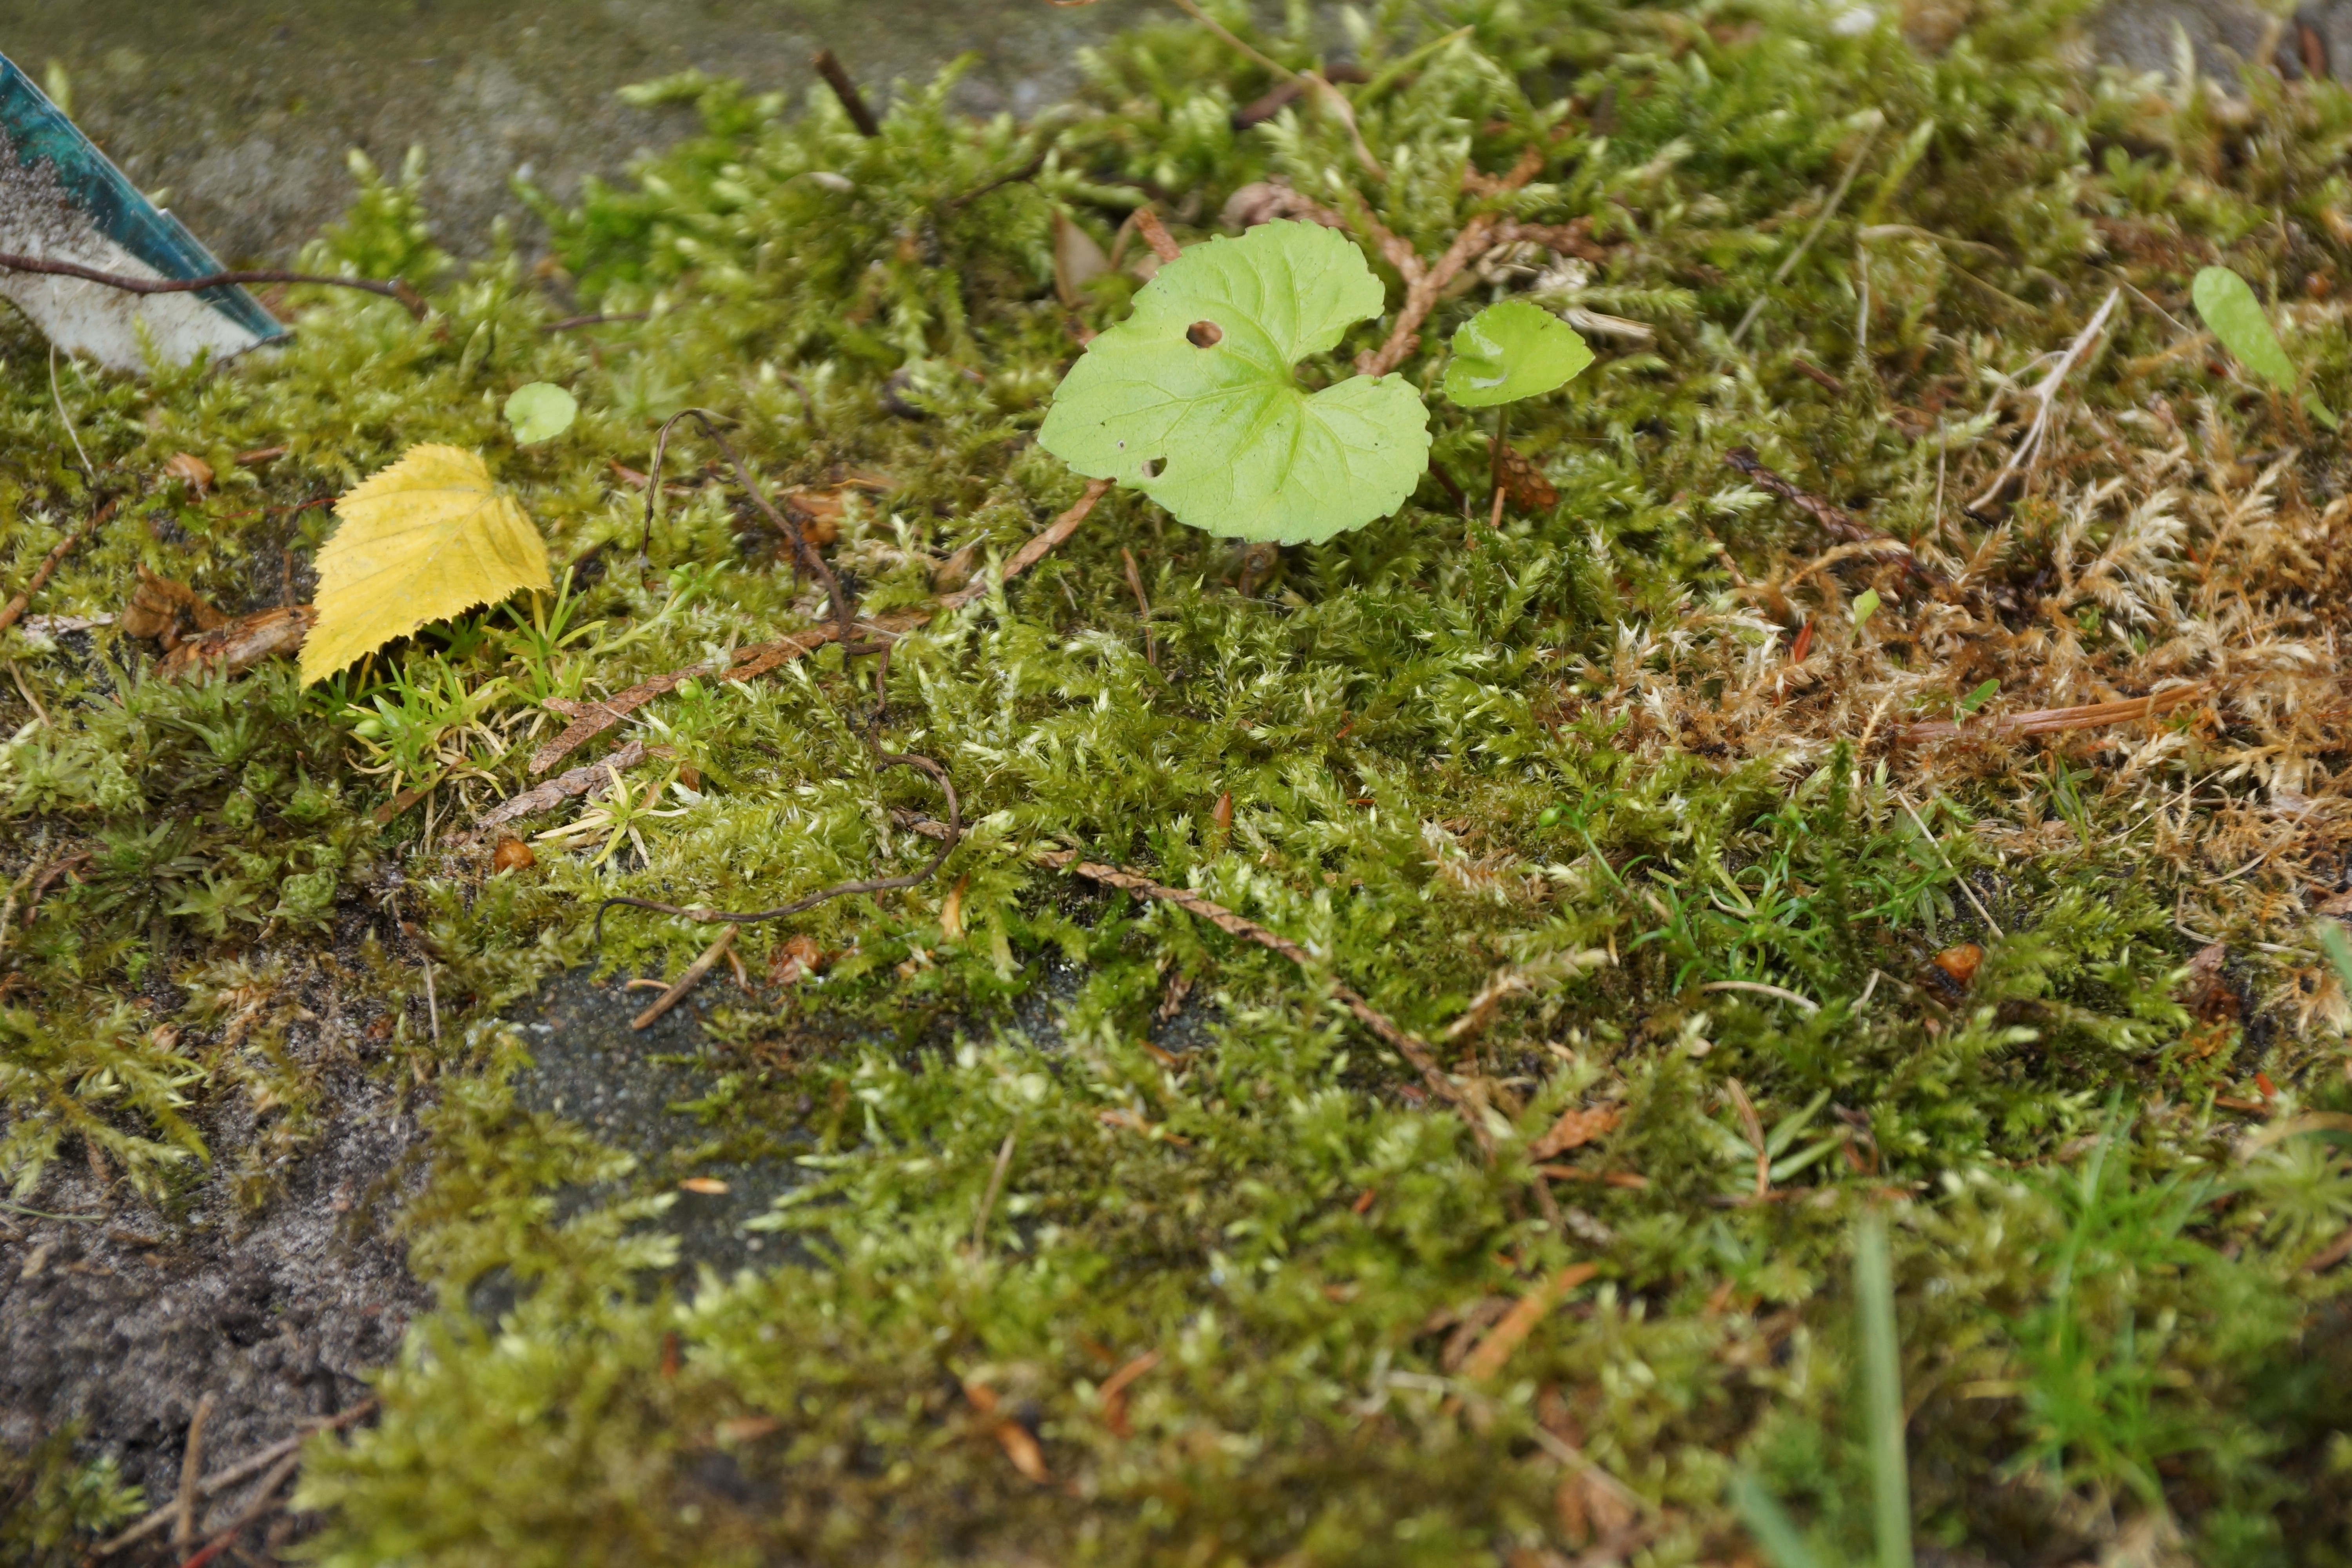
420	540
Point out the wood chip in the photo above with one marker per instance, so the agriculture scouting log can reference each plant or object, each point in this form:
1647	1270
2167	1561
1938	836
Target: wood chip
190	471
239	644
1506	1337
688	981
1960	963
1576	1127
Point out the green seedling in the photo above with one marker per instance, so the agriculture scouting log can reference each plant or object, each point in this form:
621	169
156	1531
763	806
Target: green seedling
539	411
1194	399
1508	352
1865	608
2228	304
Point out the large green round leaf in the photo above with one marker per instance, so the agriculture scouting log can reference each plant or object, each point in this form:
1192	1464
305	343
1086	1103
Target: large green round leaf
1192	399
1511	351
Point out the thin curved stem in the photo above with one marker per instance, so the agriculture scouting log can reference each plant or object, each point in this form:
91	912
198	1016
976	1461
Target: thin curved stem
396	288
844	608
938	776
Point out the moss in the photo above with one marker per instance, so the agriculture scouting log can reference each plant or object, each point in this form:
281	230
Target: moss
1571	753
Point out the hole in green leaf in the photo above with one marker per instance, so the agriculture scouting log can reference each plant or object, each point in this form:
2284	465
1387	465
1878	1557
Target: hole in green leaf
1204	334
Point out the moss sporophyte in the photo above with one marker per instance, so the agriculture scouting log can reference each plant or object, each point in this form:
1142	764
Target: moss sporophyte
1876	961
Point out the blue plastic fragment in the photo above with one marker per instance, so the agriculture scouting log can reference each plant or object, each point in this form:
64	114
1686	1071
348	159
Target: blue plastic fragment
61	199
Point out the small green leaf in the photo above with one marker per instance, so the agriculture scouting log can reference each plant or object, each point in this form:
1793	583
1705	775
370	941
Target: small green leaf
2228	304
2338	950
1192	400
1865	607
1979	697
540	411
1511	351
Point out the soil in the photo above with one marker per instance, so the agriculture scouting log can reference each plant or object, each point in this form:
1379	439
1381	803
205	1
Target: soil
122	1322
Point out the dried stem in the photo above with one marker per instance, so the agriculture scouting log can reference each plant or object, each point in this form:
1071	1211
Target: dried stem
252	1464
395	289
2057	721
1411	1046
592	719
995	1186
2020	462
15	609
192	1470
1424	281
1155	235
689	980
1834	521
1142	607
844	608
1325	94
853	102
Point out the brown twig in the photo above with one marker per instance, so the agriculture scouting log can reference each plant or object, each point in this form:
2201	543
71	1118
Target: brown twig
844	608
1040	545
1834	521
1424	281
192	1470
995	1186
1142	607
853	102
41	573
396	288
1530	1310
563	787
1155	235
689	980
1325	94
924	766
265	1500
1026	172
2056	720
1411	1046
1817	375
218	1480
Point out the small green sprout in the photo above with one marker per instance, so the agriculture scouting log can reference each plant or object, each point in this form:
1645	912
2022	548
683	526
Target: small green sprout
1194	399
539	411
1508	352
1513	351
1865	608
1979	697
2228	304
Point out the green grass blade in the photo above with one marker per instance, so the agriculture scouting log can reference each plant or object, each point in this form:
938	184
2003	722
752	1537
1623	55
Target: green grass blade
1774	1530
1890	1479
2338	949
